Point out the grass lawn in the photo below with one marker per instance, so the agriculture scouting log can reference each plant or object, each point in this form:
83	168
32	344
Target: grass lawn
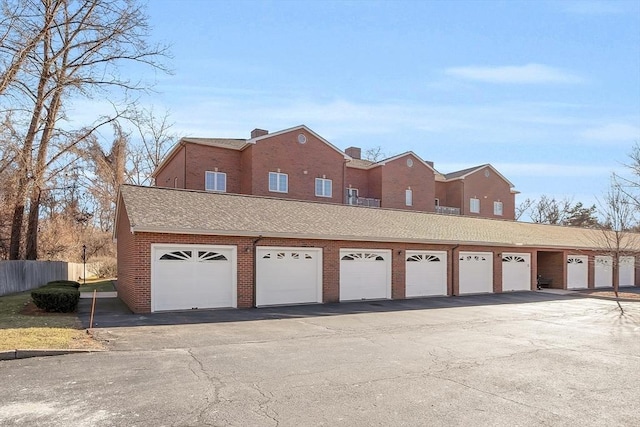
99	285
36	330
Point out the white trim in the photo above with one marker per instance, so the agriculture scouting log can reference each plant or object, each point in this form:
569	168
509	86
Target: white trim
278	175
208	232
216	175
296	128
324	181
391	159
408	197
471	203
477	169
501	210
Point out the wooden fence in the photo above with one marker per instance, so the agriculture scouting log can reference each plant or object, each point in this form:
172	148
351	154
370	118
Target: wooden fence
19	276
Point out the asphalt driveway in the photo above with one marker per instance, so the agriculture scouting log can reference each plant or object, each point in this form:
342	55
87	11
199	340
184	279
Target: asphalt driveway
517	359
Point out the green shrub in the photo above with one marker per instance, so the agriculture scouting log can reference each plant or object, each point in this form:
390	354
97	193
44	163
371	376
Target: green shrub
62	283
62	299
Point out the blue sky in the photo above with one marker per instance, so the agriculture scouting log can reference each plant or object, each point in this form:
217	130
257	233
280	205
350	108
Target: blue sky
547	92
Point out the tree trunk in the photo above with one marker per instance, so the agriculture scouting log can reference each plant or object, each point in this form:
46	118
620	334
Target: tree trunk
31	252
25	160
16	228
38	172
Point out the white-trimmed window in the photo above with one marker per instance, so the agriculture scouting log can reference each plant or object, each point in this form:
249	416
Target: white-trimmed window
323	187
497	208
408	197
215	181
278	182
474	205
437	202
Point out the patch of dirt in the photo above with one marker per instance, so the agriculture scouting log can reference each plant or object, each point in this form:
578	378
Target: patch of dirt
30	309
611	295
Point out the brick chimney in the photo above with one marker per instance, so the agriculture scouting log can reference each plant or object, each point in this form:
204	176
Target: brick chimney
258	132
354	152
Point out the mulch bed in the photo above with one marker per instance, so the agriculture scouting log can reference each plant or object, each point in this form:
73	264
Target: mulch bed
30	309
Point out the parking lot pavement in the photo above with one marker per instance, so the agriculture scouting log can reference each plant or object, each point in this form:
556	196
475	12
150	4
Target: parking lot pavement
493	361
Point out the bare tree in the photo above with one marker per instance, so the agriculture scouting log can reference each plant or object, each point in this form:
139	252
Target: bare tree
107	173
616	238
374	154
631	186
153	139
78	48
523	207
548	210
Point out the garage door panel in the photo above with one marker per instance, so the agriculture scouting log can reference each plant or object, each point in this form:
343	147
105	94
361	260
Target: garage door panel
516	272
365	274
603	271
288	276
475	272
426	273
577	271
193	276
627	271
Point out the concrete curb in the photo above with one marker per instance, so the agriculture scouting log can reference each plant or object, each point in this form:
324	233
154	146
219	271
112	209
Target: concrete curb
24	354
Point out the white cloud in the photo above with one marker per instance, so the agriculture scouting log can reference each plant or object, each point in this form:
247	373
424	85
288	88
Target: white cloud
613	132
515	74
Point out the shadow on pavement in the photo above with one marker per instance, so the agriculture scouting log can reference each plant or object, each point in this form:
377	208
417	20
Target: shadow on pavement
112	312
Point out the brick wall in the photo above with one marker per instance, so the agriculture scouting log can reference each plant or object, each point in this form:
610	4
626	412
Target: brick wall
202	158
303	163
134	263
553	265
454	191
173	171
357	178
488	190
375	182
397	177
246	166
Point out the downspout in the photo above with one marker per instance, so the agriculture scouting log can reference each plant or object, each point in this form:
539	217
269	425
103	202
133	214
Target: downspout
452	269
255	261
344	182
184	178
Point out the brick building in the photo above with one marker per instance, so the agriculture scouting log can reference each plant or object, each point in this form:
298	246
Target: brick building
299	164
183	249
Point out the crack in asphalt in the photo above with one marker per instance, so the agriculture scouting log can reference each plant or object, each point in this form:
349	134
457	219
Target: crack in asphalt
264	406
492	394
213	381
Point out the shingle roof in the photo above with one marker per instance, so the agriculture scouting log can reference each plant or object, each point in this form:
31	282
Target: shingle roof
153	209
360	163
463	172
235	144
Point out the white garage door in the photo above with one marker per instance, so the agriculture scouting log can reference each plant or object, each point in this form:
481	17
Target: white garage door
186	277
288	275
426	273
627	271
365	274
577	271
603	271
516	272
476	272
